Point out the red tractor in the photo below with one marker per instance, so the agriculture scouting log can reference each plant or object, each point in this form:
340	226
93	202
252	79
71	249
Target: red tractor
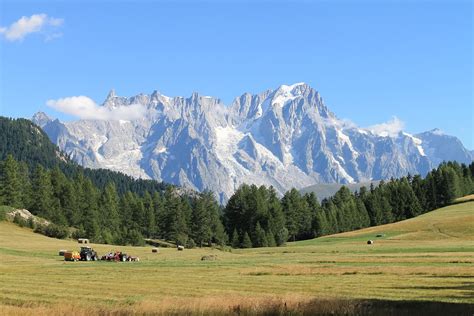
115	256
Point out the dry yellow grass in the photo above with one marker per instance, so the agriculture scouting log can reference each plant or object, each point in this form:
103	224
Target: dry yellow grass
429	258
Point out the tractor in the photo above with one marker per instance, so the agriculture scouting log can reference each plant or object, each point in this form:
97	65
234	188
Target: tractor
88	254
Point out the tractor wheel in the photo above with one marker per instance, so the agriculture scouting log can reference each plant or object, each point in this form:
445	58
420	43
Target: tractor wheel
88	257
95	258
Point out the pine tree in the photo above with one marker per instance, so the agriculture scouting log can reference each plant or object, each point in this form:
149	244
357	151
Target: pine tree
158	206
109	206
314	208
25	184
270	237
42	197
201	222
90	219
235	239
149	223
298	215
277	218
246	242
175	227
259	236
10	189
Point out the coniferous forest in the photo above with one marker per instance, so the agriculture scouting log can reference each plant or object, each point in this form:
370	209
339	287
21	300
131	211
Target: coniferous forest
109	207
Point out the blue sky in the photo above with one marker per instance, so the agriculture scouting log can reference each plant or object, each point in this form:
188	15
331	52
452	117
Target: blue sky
370	60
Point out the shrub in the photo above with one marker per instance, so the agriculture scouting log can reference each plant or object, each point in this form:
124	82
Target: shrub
40	229
190	243
31	223
19	220
53	230
57	231
4	209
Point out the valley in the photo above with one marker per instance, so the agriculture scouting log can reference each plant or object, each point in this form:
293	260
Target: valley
424	259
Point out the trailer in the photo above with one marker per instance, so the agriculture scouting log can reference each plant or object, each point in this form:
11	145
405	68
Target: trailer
72	256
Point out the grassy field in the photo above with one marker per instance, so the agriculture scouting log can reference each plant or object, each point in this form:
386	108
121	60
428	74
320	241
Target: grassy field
427	259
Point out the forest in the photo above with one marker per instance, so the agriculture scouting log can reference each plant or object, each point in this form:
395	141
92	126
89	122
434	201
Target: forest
109	207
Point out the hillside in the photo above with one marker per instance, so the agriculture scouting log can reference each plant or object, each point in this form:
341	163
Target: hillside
28	143
447	224
426	260
325	190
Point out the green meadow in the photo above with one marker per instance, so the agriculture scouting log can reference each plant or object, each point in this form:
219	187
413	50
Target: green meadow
426	259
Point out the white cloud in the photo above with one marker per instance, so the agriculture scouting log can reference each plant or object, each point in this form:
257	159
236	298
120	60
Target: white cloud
390	128
27	25
85	108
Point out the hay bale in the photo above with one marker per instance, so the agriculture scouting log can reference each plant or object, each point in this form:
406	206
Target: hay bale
83	240
209	258
61	252
370	242
155	250
180	248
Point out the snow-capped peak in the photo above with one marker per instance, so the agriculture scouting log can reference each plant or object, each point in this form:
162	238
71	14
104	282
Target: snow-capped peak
287	93
437	131
284	137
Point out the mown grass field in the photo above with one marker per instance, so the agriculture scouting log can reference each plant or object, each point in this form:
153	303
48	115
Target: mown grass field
428	258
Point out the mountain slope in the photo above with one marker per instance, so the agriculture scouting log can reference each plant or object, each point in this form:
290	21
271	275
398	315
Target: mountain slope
440	147
28	143
285	137
446	224
326	190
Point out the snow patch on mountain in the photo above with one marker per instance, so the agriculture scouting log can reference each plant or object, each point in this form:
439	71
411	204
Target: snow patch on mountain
285	137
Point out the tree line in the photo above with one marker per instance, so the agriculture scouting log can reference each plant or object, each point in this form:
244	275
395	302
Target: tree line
111	207
105	216
253	217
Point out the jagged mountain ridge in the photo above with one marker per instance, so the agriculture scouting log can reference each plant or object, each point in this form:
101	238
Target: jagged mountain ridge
285	137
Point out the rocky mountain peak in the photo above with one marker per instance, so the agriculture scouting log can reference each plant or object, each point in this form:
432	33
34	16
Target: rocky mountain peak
41	119
284	137
111	94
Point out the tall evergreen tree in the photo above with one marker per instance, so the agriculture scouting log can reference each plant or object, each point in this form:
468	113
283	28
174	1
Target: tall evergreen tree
149	218
201	222
10	189
42	197
246	241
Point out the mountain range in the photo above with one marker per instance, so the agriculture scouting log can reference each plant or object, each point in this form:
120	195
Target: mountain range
284	137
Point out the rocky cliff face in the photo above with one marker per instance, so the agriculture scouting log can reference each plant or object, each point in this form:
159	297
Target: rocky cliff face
285	138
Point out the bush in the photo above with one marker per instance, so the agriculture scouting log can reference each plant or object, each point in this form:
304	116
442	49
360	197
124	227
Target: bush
4	209
40	229
190	243
53	230
57	231
31	223
19	220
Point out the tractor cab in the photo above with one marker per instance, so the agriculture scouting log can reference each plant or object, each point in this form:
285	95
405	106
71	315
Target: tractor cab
88	254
